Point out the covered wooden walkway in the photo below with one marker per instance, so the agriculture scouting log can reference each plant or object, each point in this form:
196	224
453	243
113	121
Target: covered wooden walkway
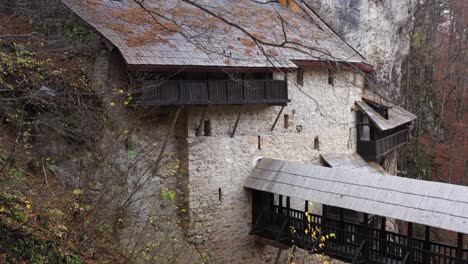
431	204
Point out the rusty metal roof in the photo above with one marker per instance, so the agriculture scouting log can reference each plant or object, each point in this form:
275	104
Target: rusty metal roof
352	161
182	35
424	202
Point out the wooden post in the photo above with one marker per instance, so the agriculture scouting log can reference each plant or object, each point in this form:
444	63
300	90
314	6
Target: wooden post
410	243
277	118
341	232
460	249
323	226
306	208
365	235
237	122
383	236
280	210
427	246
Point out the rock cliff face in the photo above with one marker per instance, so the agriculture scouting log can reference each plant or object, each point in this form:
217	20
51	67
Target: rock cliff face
378	29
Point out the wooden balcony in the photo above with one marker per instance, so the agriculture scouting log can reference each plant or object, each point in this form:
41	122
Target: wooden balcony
205	92
376	149
352	242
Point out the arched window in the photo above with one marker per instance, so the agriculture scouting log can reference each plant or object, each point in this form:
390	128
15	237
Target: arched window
316	144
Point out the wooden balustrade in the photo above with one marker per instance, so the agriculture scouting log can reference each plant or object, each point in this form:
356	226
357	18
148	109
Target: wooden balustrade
288	226
376	149
203	92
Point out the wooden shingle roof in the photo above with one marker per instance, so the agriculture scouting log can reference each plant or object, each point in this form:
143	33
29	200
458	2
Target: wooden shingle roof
352	161
429	203
180	34
397	116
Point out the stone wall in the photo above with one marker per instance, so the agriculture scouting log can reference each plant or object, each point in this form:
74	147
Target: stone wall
379	30
218	165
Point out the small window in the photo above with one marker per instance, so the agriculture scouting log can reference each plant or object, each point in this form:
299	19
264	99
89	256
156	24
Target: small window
316	144
259	143
331	77
300	76
286	121
207	128
364	129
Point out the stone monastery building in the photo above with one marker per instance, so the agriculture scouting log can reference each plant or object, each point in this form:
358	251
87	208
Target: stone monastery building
263	97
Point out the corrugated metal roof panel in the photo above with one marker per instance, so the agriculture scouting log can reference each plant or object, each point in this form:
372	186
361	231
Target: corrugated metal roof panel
143	41
411	200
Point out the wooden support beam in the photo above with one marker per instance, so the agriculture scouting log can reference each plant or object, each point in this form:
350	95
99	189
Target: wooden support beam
200	123
237	122
410	243
277	118
460	249
383	236
427	246
324	219
341	235
356	258
365	234
306	207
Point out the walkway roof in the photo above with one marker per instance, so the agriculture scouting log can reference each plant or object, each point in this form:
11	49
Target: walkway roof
429	203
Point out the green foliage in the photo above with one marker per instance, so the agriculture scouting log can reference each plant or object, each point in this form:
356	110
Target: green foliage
168	195
28	247
50	164
23	248
14	208
16	174
22	65
76	31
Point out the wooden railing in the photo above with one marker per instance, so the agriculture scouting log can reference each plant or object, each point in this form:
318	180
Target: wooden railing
375	149
203	92
287	226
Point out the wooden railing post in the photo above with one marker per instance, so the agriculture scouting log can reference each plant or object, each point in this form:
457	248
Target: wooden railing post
226	90
459	249
280	202
341	232
179	86
323	228
383	237
243	91
427	246
365	235
410	243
